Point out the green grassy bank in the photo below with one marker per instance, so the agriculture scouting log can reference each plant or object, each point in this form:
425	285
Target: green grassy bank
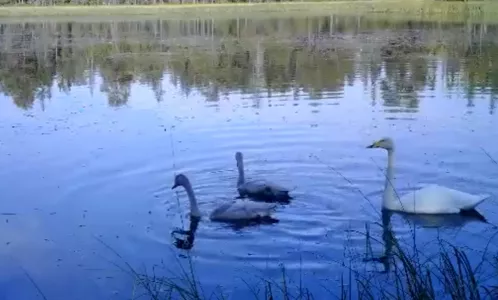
426	10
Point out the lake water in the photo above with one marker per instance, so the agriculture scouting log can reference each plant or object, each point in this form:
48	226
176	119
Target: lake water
97	117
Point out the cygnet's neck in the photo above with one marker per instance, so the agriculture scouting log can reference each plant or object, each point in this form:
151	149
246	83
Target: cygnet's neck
194	209
389	199
240	167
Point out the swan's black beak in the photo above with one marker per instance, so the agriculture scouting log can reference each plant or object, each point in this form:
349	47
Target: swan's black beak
174	186
371	146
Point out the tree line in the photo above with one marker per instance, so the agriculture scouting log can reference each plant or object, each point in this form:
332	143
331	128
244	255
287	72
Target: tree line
316	57
122	2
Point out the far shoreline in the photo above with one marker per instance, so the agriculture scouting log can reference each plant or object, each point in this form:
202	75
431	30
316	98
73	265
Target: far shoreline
424	10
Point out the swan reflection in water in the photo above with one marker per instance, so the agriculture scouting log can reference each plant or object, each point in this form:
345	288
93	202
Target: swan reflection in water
422	220
187	241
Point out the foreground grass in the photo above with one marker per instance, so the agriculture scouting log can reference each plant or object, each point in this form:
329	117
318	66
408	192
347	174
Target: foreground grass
408	273
449	275
418	9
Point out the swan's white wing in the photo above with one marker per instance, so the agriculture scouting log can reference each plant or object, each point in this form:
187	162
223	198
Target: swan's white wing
242	210
436	199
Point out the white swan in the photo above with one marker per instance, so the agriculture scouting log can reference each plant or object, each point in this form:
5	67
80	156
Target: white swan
431	199
237	210
259	189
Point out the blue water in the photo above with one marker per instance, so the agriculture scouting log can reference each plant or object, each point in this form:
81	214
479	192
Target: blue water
76	170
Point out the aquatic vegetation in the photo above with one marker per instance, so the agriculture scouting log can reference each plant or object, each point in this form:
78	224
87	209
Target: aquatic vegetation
448	275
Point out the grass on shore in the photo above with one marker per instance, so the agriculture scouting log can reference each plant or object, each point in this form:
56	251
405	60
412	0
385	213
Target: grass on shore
415	276
486	11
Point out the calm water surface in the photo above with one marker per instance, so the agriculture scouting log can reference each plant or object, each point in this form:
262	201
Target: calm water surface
96	118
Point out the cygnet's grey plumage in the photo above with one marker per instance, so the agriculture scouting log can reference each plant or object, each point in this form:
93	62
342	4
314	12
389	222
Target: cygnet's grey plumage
259	189
236	210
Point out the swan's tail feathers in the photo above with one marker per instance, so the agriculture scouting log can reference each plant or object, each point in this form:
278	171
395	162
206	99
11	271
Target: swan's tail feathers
478	200
472	213
484	196
283	197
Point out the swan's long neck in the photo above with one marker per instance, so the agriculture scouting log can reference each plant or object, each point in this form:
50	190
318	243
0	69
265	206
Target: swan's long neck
240	166
194	209
389	199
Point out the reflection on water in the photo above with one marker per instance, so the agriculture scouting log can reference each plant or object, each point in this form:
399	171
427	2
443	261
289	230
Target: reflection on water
187	242
96	117
313	57
424	220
